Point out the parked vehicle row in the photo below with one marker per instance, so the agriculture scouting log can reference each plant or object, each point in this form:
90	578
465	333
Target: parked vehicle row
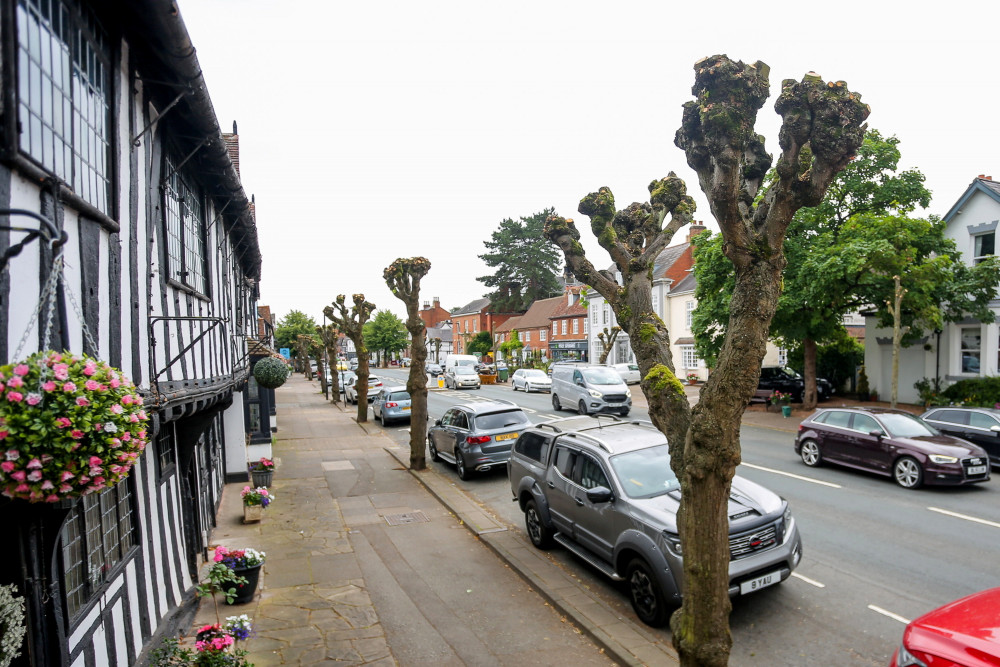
392	404
374	386
589	389
476	437
530	379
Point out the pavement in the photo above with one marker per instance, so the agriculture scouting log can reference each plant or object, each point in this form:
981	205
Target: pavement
369	563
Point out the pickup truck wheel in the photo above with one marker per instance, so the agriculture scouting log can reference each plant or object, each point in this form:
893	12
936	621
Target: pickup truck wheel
644	592
539	535
556	405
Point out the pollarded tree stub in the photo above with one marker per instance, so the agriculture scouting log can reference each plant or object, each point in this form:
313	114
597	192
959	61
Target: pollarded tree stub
403	275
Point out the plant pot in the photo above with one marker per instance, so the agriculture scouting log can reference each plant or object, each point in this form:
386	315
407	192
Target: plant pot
252	513
245	592
786	411
261	477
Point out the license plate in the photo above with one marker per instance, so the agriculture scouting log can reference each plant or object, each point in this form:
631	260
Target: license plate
764	581
506	436
614	405
406	408
977	470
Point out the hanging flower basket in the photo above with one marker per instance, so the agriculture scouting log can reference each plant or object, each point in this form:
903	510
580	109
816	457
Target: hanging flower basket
70	425
270	372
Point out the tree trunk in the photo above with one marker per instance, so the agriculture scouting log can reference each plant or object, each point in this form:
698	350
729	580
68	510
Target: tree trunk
897	338
809	393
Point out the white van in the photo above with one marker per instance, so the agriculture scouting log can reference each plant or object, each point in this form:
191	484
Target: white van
589	389
453	360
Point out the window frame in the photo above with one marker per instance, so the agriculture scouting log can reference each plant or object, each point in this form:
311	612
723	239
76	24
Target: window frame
176	203
977	255
963	351
689	357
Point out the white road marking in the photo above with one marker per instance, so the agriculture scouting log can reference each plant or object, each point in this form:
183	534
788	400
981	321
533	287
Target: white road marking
788	474
965	516
895	617
812	582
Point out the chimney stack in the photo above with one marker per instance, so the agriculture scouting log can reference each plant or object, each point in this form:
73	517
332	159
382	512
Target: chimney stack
985	178
426	305
437	302
695	229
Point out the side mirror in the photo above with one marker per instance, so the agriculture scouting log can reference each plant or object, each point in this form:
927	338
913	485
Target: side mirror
995	428
876	433
600	494
437	422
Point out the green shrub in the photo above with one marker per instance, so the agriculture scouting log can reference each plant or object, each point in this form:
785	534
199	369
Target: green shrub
270	372
982	392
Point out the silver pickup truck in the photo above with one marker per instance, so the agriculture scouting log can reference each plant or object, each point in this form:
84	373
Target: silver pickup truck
602	488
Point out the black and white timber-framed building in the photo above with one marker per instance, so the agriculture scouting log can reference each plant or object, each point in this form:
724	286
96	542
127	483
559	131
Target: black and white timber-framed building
107	130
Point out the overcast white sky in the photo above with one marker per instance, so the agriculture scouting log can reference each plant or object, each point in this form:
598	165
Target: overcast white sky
376	130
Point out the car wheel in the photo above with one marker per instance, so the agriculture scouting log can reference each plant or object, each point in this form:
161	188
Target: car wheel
539	535
555	403
644	592
432	451
381	419
513	386
908	473
623	413
810	453
582	408
463	472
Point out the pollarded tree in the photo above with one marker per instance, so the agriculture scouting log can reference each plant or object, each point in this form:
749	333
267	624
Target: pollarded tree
822	127
330	336
403	277
352	323
607	338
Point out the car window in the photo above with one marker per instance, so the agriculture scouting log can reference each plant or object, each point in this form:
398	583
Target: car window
980	420
591	475
577	376
906	426
465	370
837	418
645	473
865	424
448	417
633	367
503	419
602	376
534	374
533	445
564	461
399	396
460	420
950	416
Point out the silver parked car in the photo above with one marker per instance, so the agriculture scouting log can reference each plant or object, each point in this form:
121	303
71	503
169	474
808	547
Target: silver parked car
392	404
628	372
530	379
477	436
603	489
461	377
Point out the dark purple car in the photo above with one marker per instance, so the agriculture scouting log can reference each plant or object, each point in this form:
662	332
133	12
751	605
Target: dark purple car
891	443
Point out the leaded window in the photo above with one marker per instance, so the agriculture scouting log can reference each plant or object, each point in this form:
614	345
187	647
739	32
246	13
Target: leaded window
64	95
689	358
97	535
185	224
166	449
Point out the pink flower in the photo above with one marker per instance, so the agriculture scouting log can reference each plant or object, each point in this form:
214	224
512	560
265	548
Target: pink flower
115	382
69	387
12	454
92	385
127	399
34	399
95	461
115	468
22	488
7	466
82	402
46	458
47	485
83	479
61	371
141	434
15	382
49	386
18	475
2	387
21	369
98	482
52	498
63	422
34	464
76	434
126	436
137	399
65	488
134	418
142	414
66	474
34	475
4	434
90	368
116	409
14	397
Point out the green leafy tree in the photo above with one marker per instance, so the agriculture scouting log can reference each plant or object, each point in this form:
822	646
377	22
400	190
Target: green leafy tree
480	344
512	347
386	333
294	324
915	278
821	131
819	287
526	268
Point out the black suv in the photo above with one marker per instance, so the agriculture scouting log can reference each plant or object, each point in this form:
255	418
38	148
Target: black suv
787	381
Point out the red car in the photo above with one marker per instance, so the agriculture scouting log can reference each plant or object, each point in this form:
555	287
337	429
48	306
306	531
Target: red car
963	633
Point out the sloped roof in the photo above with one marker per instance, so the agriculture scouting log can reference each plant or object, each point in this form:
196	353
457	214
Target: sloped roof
443	334
566	310
686	285
508	325
667	258
540	313
473	307
987	186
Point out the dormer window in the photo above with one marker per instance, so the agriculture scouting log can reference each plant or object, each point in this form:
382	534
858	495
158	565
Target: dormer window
984	245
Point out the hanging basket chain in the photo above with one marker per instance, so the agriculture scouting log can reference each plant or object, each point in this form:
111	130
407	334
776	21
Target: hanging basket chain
48	292
79	314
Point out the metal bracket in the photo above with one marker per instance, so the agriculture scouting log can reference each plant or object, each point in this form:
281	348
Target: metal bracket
136	138
216	321
47	230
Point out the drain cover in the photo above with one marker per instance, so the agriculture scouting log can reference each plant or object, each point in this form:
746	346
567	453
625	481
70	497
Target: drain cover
406	517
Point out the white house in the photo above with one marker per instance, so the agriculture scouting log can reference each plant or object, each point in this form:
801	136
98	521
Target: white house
962	350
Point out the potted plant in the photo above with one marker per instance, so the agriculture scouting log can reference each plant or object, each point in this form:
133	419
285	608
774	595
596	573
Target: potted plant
215	644
270	372
254	502
244	563
692	378
262	472
72	425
